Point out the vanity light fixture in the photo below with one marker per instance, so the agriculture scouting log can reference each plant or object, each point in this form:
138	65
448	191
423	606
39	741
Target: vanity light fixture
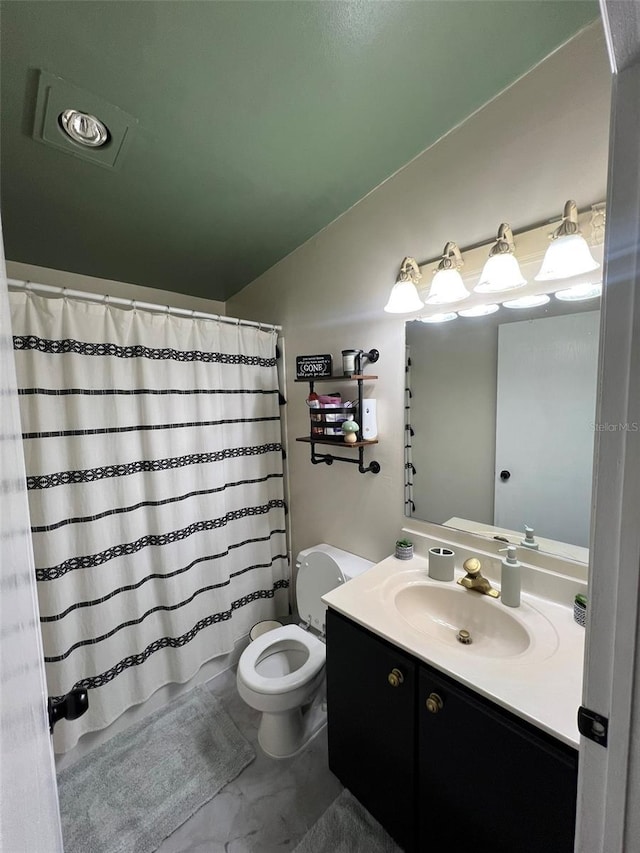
439	318
404	297
527	301
580	292
447	285
568	254
479	310
502	270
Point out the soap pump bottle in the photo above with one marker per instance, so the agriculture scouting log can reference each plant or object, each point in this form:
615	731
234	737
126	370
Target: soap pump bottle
529	539
510	578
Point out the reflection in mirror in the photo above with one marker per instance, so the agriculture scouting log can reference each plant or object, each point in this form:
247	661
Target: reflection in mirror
502	408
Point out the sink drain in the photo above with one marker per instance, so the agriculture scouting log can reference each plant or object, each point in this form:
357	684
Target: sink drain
464	637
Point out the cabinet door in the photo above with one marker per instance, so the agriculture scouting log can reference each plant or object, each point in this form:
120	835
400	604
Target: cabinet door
488	779
371	724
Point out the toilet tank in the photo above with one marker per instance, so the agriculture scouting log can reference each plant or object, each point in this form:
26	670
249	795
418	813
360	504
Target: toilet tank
319	570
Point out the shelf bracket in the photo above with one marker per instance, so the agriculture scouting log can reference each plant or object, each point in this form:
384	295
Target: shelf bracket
330	458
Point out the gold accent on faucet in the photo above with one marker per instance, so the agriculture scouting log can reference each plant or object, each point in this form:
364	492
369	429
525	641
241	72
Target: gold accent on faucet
474	580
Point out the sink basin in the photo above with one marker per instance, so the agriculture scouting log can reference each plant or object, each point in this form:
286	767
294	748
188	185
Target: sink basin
494	630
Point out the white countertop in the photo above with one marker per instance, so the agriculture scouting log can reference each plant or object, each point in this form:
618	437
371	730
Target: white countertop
543	685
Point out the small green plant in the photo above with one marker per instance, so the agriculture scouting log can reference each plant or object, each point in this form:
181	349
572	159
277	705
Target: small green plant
404	543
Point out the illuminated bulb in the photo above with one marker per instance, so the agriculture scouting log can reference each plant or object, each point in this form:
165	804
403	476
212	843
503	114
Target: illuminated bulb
439	318
579	292
447	285
502	270
404	297
527	301
479	310
568	254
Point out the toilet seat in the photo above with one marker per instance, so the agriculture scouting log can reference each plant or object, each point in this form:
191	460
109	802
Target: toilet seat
256	650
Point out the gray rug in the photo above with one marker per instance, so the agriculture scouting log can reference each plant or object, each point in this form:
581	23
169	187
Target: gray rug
132	792
347	827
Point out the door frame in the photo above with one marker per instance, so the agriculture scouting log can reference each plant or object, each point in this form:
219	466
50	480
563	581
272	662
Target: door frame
609	778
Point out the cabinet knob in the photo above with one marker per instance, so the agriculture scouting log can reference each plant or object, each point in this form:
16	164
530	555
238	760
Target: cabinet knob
434	703
395	678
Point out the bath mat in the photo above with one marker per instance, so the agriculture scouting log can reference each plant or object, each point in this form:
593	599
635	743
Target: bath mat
132	792
347	827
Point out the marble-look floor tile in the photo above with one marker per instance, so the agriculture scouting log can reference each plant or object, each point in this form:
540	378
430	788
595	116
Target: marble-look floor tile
270	805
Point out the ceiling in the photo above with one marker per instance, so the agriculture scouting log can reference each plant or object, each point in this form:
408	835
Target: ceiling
255	124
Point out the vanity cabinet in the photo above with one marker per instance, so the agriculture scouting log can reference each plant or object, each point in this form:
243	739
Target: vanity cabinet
437	763
371	689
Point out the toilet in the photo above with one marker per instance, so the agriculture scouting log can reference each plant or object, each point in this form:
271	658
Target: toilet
281	673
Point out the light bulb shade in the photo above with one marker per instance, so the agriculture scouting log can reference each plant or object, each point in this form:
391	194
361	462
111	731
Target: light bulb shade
404	299
580	292
567	256
527	301
439	318
501	272
479	310
447	287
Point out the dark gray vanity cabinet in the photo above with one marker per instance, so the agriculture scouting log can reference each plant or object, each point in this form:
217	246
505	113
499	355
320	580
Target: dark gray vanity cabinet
488	778
371	692
436	763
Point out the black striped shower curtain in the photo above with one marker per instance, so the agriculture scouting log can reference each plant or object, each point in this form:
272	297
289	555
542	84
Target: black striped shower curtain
155	482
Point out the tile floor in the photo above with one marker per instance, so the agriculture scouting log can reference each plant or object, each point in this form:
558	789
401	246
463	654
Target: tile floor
270	805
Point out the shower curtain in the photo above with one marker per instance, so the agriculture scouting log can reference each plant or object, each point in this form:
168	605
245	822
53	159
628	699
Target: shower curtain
155	482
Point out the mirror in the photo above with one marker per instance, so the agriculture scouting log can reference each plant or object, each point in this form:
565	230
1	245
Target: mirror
502	411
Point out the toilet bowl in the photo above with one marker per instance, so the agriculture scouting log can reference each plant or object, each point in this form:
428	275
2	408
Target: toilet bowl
281	673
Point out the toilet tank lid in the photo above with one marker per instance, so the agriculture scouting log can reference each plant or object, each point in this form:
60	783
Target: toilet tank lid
350	564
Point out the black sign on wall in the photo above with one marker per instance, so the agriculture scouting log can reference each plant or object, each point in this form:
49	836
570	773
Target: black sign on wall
313	366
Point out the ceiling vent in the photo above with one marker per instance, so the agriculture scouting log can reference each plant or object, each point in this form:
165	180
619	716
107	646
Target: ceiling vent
80	123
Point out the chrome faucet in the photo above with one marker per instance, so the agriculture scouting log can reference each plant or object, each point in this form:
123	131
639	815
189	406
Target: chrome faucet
474	580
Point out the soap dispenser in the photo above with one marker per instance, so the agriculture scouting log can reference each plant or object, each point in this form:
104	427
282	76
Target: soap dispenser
529	539
510	578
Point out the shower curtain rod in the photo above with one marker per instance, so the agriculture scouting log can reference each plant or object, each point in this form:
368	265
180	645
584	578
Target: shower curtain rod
135	303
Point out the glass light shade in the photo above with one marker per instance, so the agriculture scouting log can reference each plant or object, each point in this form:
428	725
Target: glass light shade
447	286
439	318
501	272
404	299
567	256
528	301
579	292
479	310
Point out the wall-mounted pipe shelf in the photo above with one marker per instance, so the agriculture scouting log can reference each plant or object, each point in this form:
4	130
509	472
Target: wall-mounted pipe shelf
329	458
318	424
